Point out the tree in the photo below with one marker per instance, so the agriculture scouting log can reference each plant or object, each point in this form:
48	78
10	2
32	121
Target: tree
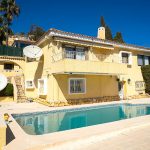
118	37
102	22
4	30
8	10
35	32
108	33
22	34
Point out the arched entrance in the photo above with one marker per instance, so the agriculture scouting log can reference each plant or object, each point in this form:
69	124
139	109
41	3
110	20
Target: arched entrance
13	69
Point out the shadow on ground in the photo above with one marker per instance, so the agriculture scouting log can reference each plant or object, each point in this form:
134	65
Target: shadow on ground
9	135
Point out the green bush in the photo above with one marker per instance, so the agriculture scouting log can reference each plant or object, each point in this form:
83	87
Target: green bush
146	76
7	91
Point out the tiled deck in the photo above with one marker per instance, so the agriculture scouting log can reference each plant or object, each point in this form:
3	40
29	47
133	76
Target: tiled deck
138	139
85	138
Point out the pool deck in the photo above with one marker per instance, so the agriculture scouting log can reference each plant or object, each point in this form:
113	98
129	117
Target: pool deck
92	137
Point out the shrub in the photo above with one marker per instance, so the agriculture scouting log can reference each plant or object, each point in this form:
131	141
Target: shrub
146	76
7	91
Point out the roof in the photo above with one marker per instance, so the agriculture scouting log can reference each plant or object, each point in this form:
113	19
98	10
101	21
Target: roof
58	33
24	41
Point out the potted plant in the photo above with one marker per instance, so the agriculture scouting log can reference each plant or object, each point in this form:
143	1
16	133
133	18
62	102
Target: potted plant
6	117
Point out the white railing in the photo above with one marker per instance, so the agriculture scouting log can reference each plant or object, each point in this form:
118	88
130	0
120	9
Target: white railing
84	56
70	55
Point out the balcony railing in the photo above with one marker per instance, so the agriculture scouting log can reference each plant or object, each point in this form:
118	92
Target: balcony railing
85	56
11	51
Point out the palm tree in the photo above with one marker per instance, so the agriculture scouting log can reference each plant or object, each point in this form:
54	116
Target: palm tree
4	31
9	9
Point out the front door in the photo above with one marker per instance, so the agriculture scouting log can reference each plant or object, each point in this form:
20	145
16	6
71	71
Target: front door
120	90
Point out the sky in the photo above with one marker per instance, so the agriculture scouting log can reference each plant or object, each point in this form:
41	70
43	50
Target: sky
130	17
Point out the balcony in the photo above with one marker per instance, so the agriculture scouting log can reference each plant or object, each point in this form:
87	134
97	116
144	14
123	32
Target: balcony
11	51
85	56
82	62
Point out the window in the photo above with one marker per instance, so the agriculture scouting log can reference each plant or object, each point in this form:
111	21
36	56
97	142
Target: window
146	60
29	84
77	85
143	60
70	52
73	52
126	57
140	60
42	86
139	85
80	53
9	66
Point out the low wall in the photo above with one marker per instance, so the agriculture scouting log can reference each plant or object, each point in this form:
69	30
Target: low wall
6	99
78	101
93	100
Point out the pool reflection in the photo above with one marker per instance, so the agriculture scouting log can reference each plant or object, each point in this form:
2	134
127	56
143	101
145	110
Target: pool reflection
59	121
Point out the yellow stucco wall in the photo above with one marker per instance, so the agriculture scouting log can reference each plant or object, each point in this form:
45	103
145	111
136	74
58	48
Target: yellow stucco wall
101	84
2	133
19	66
2	137
96	86
58	84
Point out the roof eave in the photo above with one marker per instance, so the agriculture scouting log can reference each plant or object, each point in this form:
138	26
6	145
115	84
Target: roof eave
53	32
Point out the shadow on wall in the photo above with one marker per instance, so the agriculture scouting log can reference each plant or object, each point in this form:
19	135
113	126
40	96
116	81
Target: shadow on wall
39	71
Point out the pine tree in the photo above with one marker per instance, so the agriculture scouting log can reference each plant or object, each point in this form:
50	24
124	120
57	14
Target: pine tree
118	37
107	29
108	33
102	22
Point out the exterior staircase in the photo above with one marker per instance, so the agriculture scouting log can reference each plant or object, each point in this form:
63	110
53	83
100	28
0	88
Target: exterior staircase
20	92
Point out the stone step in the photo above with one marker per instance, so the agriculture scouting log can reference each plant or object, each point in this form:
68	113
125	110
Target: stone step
20	90
21	96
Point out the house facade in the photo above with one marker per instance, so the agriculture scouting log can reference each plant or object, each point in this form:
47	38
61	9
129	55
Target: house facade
77	68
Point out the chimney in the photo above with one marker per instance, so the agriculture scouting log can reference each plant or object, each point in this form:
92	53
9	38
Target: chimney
101	33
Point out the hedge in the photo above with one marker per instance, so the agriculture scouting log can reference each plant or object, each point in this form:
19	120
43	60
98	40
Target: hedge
8	91
146	76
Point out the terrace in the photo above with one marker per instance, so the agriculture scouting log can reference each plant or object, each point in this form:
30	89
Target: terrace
83	62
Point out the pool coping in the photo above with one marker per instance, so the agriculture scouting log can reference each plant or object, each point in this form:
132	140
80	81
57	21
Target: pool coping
80	135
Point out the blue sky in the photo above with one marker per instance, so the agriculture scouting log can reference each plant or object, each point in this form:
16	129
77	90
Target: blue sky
131	17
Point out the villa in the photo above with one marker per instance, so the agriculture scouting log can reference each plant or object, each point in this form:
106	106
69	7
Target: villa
73	69
76	68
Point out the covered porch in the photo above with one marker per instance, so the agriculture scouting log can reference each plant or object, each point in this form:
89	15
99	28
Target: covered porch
78	88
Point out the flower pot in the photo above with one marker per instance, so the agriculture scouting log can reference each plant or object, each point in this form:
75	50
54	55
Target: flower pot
6	117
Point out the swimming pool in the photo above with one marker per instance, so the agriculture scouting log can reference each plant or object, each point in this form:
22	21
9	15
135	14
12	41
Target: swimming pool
58	120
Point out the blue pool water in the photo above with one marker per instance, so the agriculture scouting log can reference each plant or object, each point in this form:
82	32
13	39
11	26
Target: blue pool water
53	121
